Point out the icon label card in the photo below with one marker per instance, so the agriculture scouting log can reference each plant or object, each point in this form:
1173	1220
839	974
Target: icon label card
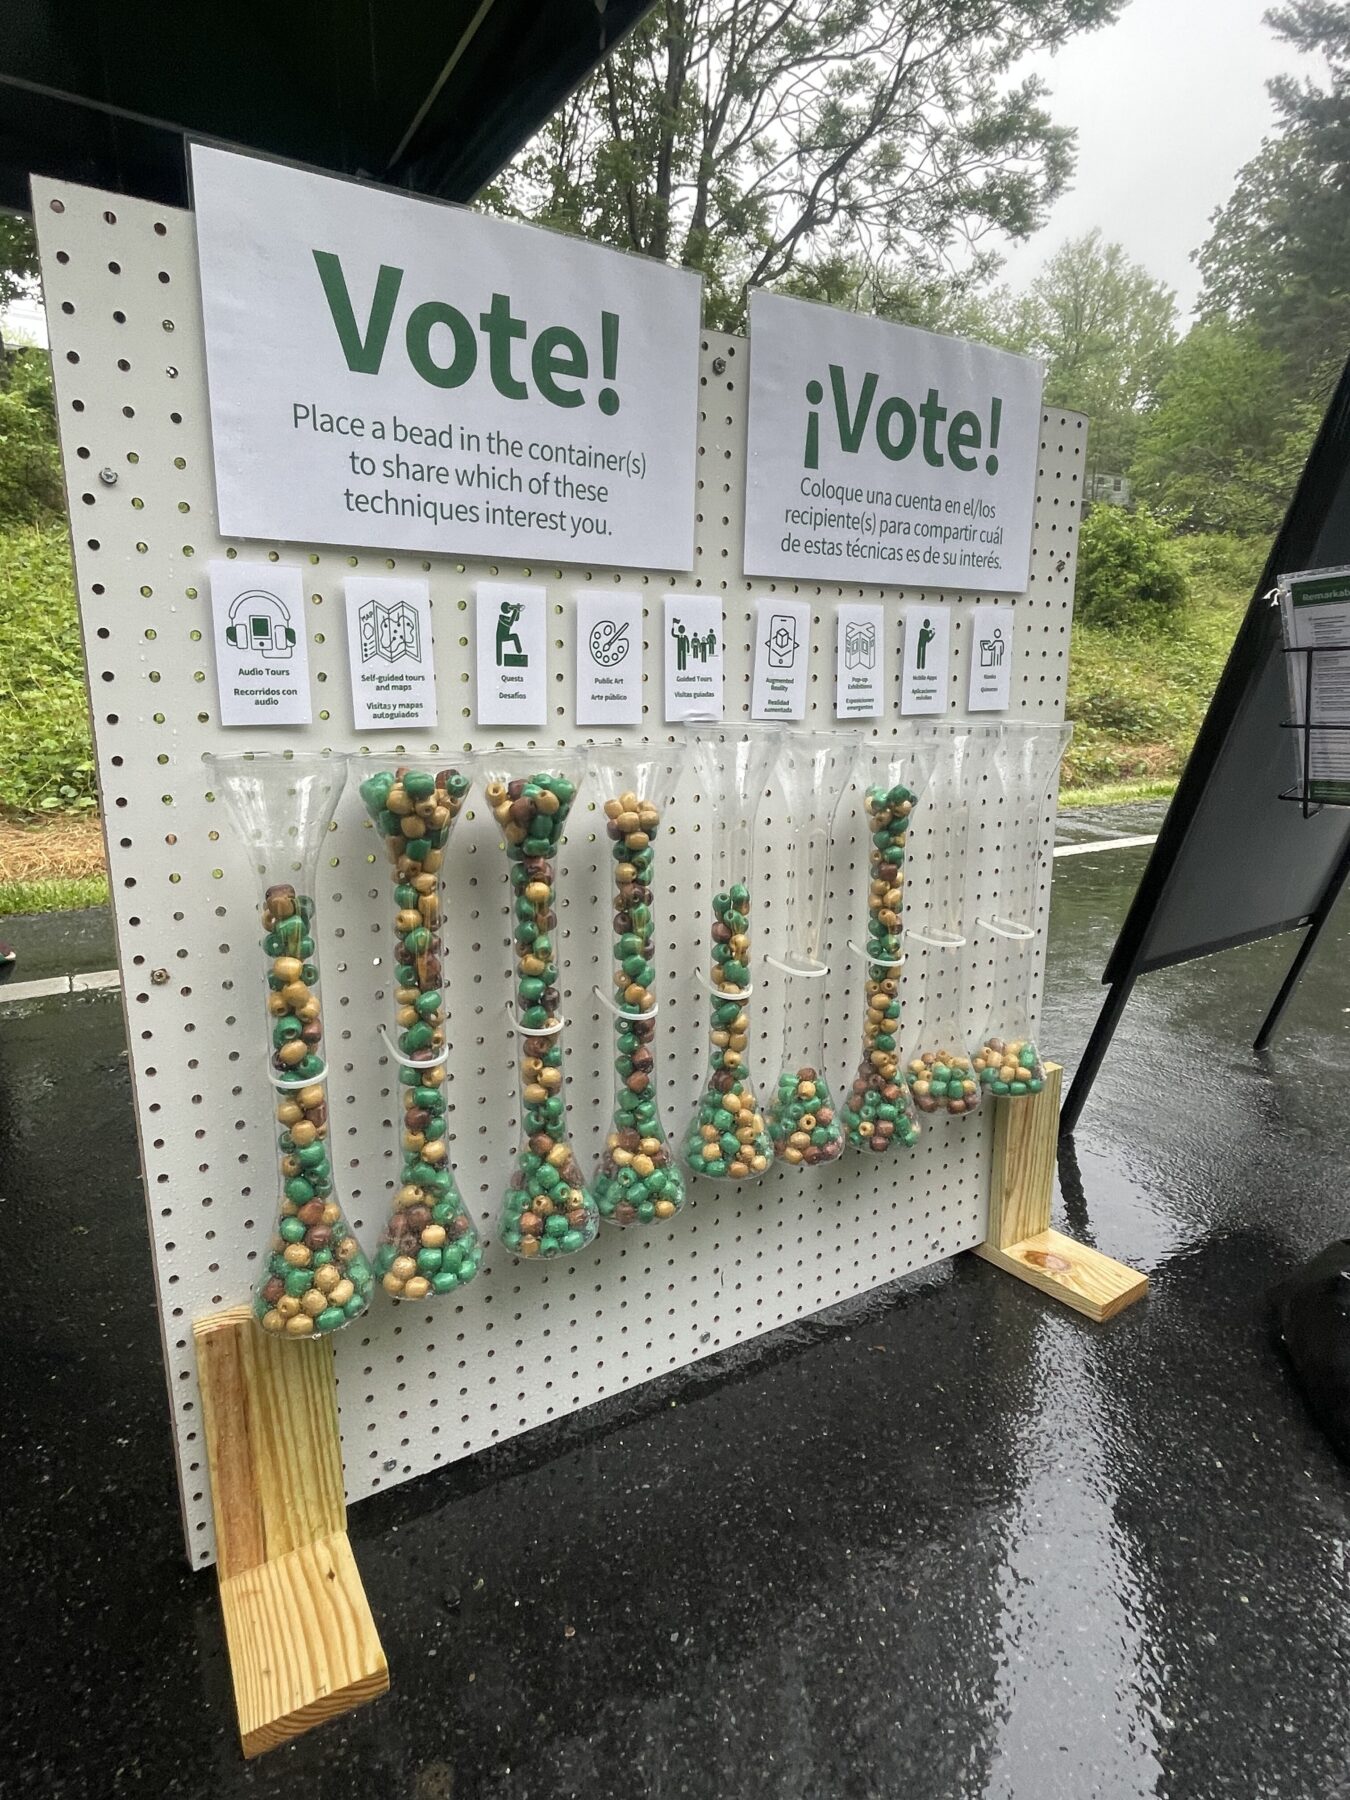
928	632
782	659
389	652
693	657
609	659
261	645
860	661
991	658
512	653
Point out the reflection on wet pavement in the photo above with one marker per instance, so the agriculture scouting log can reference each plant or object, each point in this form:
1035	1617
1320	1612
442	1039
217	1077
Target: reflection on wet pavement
948	1542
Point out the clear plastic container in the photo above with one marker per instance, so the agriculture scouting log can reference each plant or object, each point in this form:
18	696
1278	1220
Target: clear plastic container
727	1139
637	1181
547	1211
1026	759
939	1060
430	1244
811	775
315	1278
879	1113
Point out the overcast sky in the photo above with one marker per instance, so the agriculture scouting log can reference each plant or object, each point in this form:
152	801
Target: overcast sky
1168	104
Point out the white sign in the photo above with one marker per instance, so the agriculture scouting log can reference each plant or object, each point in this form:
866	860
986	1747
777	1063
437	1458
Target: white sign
391	371
693	657
512	653
928	634
389	652
782	659
991	656
1315	611
882	453
261	645
860	672
609	659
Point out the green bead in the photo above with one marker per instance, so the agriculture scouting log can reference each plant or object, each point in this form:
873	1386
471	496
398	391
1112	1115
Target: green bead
330	1318
443	1282
418	784
292	1230
298	1281
298	1190
428	1260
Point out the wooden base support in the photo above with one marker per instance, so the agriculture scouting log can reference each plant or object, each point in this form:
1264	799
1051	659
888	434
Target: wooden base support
303	1646
1020	1241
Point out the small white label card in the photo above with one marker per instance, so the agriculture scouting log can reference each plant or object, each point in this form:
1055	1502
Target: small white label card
693	657
928	631
782	659
991	654
609	659
512	653
860	661
262	647
389	652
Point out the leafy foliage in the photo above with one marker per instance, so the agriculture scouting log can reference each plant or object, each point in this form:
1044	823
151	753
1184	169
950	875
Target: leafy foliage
30	464
1105	329
1278	252
18	257
1129	571
1228	440
1136	705
45	758
745	138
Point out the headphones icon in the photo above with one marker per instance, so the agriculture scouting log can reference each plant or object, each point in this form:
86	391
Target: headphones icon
260	623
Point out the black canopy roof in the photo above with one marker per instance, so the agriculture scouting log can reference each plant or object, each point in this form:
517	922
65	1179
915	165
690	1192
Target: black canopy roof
432	95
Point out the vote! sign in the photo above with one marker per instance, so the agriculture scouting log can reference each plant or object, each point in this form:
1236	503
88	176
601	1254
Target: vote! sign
390	371
884	454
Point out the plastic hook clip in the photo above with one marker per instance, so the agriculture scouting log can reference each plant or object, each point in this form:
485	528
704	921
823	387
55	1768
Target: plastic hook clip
611	1005
411	1062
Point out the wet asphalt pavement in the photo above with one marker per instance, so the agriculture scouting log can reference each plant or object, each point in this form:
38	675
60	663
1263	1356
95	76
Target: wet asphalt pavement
950	1541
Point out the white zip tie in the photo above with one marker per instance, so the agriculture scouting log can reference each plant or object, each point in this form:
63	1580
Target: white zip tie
611	1005
411	1062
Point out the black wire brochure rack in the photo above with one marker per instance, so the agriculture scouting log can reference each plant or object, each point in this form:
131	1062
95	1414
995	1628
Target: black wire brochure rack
1301	793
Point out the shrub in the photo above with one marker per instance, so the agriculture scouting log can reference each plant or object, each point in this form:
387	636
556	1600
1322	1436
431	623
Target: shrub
30	466
45	757
1129	571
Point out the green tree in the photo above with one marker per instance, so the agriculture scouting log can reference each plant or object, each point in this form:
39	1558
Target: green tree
745	138
1224	446
958	304
18	257
1278	253
1129	570
1105	329
30	464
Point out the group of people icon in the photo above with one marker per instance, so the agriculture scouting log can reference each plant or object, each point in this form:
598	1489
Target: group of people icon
701	646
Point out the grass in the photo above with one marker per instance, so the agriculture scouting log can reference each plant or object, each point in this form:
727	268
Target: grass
1117	793
1137	696
58	894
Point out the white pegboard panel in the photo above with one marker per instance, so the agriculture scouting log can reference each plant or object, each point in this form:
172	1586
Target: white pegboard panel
419	1387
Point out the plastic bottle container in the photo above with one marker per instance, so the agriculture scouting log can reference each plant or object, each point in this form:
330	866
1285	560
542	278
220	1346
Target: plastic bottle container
727	1139
430	1244
315	1278
546	1211
879	1113
637	1181
1026	762
811	775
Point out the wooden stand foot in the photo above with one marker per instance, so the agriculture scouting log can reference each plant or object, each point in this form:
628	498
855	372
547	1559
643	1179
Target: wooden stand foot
303	1646
1020	1241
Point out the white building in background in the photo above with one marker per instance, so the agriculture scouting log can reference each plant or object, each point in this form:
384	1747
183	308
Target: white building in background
24	323
1108	490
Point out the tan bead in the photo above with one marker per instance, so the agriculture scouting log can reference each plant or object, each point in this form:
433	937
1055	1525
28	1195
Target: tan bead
299	1256
342	1293
288	1306
300	1326
313	1302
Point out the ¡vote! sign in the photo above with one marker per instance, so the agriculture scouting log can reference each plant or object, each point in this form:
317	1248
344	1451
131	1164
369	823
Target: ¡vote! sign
881	453
389	371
